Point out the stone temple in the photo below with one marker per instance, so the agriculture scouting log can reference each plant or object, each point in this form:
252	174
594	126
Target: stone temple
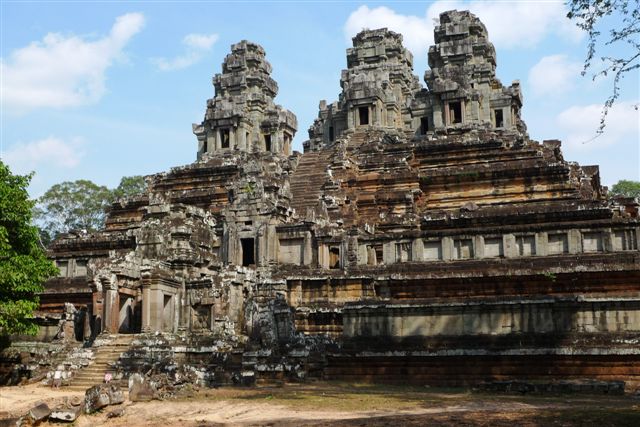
421	237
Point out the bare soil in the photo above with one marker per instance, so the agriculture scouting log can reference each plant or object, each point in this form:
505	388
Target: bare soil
336	404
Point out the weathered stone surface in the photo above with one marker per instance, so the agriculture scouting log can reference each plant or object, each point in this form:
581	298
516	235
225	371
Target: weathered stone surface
99	396
66	413
140	389
422	237
39	412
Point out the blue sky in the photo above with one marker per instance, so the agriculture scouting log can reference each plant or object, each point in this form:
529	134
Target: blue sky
101	90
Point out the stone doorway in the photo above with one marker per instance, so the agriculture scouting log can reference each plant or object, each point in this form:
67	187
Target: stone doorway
130	318
167	313
248	252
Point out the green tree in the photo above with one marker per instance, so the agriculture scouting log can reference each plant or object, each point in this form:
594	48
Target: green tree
626	188
23	263
619	49
130	186
78	205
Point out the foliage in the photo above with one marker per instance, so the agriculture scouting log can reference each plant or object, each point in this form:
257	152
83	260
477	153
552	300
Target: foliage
78	205
626	188
620	20
130	186
23	264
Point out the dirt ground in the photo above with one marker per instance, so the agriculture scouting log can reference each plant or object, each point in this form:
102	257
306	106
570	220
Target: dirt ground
334	404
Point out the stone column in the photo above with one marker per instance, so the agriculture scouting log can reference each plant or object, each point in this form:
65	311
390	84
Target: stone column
509	246
242	138
541	244
447	248
184	310
575	241
146	308
111	312
232	138
417	250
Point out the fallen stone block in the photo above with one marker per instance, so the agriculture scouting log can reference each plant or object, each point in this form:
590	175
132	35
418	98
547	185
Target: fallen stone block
99	396
39	412
140	389
65	414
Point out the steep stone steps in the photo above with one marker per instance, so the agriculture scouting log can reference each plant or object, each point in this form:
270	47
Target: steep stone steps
103	360
308	179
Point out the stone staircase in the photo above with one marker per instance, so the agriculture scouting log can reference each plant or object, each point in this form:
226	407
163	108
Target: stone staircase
308	179
104	358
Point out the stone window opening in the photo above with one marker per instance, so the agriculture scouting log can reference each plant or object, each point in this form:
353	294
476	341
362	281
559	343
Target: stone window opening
493	247
267	142
205	146
592	242
81	268
374	254
63	266
424	125
403	252
463	249
224	138
557	244
363	115
499	116
625	240
248	252
526	245
455	112
432	250
334	257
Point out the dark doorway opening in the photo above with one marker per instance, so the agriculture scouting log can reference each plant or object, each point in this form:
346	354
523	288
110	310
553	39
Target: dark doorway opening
455	112
334	257
248	252
499	118
267	142
363	114
331	135
224	138
424	125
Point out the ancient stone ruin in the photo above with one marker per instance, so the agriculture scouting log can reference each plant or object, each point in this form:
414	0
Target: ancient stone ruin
422	237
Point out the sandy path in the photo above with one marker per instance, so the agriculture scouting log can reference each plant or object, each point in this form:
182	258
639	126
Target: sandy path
239	413
17	400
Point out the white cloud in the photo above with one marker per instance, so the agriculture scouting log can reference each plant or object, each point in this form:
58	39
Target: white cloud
197	45
26	157
417	32
553	75
510	25
580	123
64	71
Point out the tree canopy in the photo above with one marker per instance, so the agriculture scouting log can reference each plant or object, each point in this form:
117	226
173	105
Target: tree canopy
23	263
130	186
80	205
626	188
619	48
77	205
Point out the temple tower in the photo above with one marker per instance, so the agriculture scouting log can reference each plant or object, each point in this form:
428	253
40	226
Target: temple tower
463	90
242	115
377	88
